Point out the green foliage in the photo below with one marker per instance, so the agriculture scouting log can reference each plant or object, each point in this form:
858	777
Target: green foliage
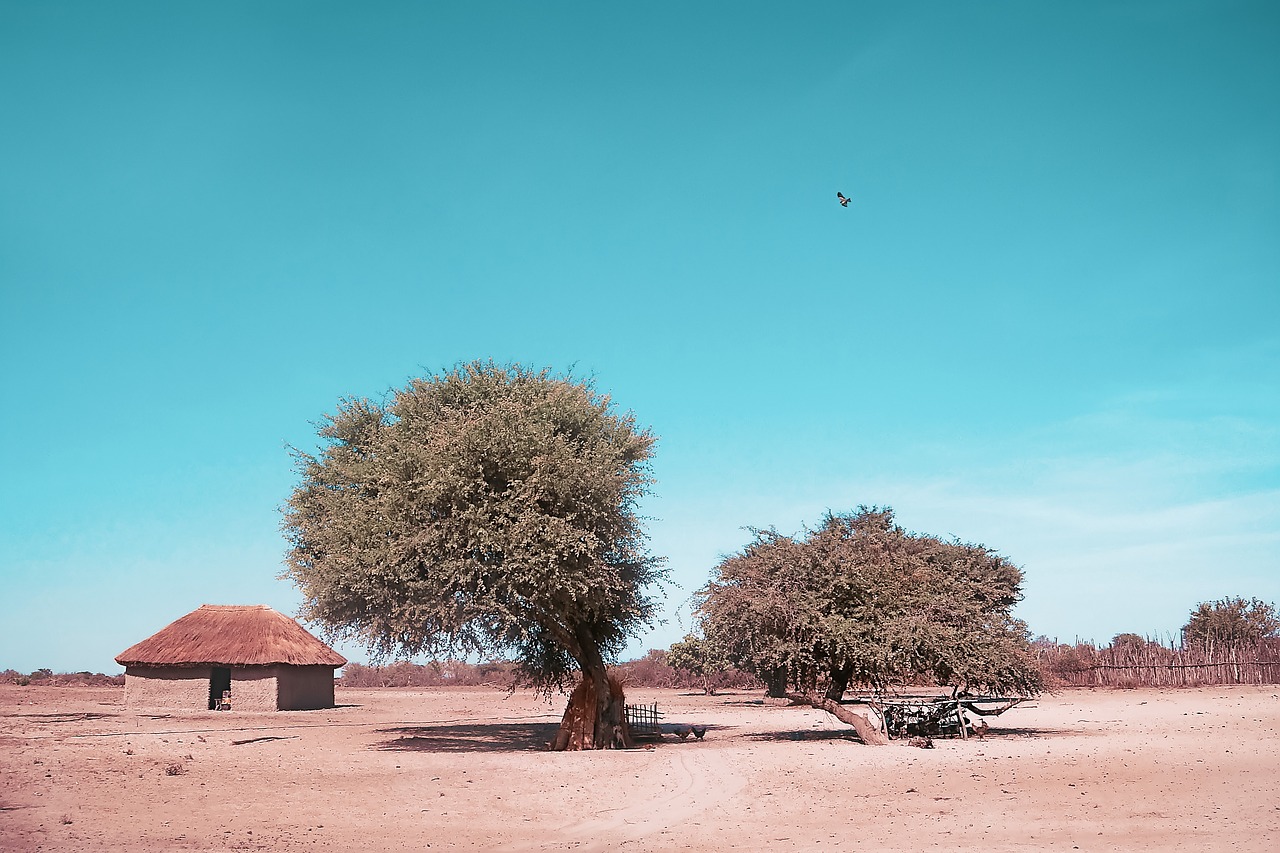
756	605
697	655
1231	622
705	659
859	600
488	511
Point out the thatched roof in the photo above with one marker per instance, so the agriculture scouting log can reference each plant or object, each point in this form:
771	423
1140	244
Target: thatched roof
231	635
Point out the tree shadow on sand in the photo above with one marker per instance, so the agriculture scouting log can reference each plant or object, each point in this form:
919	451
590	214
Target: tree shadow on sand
477	737
807	735
850	735
1027	733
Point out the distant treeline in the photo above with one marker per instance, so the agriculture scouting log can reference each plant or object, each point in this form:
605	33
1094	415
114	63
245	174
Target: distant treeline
434	674
49	678
649	671
652	670
1135	661
1129	661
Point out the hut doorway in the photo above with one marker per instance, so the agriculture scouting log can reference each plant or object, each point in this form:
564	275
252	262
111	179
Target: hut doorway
219	681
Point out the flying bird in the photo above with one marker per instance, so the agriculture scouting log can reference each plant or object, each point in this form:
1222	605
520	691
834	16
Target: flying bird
844	199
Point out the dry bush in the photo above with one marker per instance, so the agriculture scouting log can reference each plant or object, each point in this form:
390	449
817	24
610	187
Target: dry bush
434	674
48	678
652	670
648	671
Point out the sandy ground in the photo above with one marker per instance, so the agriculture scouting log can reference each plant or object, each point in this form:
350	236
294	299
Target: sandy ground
465	770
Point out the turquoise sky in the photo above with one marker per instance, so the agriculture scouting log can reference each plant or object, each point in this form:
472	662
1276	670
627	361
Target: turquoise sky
1048	322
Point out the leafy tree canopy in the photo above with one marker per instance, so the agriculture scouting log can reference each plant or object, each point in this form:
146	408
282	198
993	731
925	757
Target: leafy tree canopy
696	655
487	510
1231	622
860	600
700	657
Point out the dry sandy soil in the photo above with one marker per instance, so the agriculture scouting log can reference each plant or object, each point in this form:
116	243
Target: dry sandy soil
465	770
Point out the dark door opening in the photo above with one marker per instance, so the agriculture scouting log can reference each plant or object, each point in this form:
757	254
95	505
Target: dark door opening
219	681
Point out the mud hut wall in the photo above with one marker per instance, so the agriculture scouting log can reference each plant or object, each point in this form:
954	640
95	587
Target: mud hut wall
305	688
167	687
255	688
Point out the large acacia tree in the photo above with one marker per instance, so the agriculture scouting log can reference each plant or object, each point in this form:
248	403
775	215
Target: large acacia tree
859	600
487	510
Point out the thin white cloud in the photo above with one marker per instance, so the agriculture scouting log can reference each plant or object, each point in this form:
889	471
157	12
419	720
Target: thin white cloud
1124	518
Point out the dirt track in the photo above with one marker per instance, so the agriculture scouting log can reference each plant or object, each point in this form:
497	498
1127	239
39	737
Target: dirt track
464	770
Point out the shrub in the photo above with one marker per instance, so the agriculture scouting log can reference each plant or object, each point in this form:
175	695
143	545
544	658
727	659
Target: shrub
1231	622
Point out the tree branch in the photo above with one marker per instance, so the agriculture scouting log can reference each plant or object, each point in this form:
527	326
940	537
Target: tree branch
868	732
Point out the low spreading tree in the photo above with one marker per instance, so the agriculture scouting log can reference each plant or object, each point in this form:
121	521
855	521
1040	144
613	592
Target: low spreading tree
484	511
701	658
861	601
1230	622
758	605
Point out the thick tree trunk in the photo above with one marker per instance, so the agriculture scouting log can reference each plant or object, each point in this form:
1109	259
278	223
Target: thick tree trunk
775	683
595	717
868	731
839	682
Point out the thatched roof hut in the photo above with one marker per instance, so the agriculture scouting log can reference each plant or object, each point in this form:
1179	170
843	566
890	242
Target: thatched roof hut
274	662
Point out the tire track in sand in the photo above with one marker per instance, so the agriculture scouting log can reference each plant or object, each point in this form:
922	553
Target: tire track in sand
706	781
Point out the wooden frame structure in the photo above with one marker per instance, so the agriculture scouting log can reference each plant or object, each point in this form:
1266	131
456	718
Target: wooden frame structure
935	716
643	721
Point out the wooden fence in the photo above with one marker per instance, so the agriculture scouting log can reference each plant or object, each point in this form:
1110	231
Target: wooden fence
1154	665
